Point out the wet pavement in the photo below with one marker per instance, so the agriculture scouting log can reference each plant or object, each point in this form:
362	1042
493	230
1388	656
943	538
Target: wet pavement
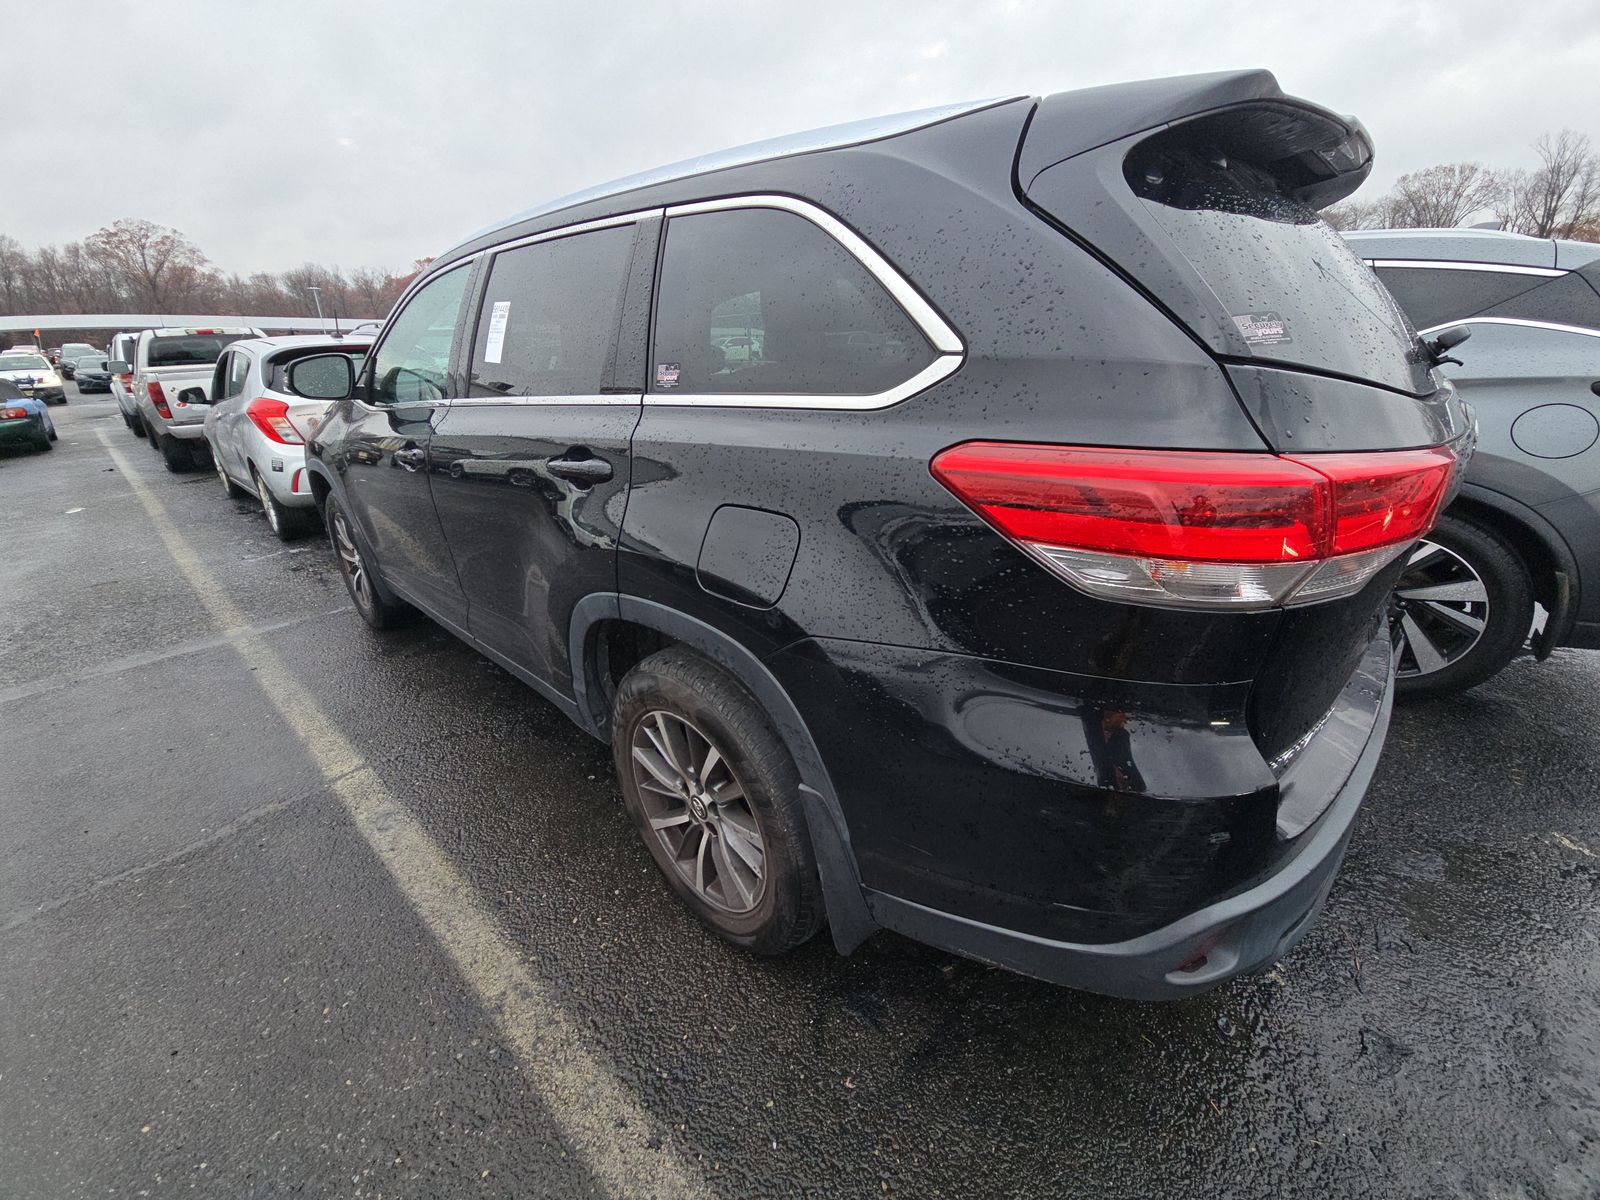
216	980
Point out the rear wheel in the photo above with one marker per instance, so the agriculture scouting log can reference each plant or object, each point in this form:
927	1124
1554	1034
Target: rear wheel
231	489
178	455
716	797
1466	606
45	440
135	425
375	610
287	523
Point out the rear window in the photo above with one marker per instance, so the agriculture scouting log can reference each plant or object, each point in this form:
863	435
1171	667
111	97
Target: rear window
190	349
1292	287
1204	216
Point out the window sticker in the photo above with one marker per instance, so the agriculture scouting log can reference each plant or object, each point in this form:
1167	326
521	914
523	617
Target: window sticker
1263	328
667	375
498	318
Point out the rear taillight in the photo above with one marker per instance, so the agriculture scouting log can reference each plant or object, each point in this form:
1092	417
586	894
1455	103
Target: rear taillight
12	414
126	380
271	416
158	398
1186	528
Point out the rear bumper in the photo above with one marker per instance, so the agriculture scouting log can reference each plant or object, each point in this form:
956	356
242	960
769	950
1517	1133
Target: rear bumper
1240	935
26	429
1002	832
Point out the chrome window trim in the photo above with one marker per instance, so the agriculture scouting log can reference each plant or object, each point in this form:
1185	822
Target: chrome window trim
1517	321
949	348
550	235
595	400
1441	265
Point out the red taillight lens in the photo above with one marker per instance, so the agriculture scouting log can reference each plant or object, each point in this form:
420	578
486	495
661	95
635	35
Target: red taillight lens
271	416
126	381
1204	528
158	398
12	414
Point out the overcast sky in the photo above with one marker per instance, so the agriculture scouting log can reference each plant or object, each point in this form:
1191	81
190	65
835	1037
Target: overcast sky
274	133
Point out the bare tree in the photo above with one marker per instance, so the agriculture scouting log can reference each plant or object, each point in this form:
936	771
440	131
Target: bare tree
162	268
1559	196
1441	197
1357	214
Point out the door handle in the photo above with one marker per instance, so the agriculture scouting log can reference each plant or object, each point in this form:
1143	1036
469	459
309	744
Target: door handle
411	458
584	472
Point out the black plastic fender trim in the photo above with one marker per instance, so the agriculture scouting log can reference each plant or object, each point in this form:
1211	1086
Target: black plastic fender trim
849	920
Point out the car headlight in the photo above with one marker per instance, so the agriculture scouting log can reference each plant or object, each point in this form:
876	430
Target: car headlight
51	380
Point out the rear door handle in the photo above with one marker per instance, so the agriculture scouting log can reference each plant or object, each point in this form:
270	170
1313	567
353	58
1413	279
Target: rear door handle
411	458
585	472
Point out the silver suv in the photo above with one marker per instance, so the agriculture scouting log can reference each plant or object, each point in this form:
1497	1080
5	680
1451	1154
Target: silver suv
1524	534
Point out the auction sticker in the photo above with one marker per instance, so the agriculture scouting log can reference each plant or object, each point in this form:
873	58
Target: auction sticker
499	316
667	375
1263	328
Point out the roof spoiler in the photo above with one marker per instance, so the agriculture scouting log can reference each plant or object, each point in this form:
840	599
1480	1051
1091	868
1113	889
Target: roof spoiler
1318	156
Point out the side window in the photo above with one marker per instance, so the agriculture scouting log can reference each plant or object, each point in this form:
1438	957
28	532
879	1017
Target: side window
238	373
411	365
1433	295
762	302
548	323
1568	300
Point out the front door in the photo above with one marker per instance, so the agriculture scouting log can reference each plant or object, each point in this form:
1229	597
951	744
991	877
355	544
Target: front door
406	391
530	469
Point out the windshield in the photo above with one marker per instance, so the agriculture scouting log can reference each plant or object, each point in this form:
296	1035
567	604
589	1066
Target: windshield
24	362
190	349
91	362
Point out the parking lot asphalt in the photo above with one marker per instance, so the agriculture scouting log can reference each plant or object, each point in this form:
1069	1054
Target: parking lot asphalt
289	907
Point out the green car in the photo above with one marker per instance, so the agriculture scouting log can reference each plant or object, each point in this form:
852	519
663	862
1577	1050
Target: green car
24	420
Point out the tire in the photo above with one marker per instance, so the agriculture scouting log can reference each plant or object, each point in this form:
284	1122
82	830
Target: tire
151	437
1466	606
45	441
677	701
375	609
178	456
232	489
135	425
289	524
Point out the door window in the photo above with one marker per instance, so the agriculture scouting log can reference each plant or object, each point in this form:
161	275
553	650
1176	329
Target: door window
412	364
763	302
1432	296
548	324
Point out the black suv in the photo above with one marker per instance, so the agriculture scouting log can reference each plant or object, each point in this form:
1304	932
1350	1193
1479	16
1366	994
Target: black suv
977	524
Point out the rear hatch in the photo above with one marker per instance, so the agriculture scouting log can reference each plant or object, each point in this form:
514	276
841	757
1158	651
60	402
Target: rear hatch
1203	193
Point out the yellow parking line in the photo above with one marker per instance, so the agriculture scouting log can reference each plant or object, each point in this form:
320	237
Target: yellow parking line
595	1114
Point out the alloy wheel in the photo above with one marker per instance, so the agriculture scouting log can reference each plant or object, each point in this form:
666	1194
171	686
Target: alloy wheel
699	810
266	502
350	561
1444	607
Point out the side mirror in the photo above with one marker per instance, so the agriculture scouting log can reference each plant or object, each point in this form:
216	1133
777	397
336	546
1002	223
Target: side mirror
117	367
1444	341
323	377
193	396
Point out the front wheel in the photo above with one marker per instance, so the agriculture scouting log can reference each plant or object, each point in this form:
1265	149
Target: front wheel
1465	604
716	797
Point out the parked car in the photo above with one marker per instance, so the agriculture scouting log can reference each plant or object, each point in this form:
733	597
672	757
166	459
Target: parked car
171	371
258	427
1526	528
91	373
24	419
54	355
1025	595
69	354
33	374
121	349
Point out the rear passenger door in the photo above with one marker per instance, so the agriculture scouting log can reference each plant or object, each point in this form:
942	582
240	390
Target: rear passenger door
531	467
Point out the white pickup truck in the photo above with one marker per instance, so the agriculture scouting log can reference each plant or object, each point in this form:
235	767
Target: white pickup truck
168	366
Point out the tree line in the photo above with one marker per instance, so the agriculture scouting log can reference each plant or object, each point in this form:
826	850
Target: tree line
138	266
1558	198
